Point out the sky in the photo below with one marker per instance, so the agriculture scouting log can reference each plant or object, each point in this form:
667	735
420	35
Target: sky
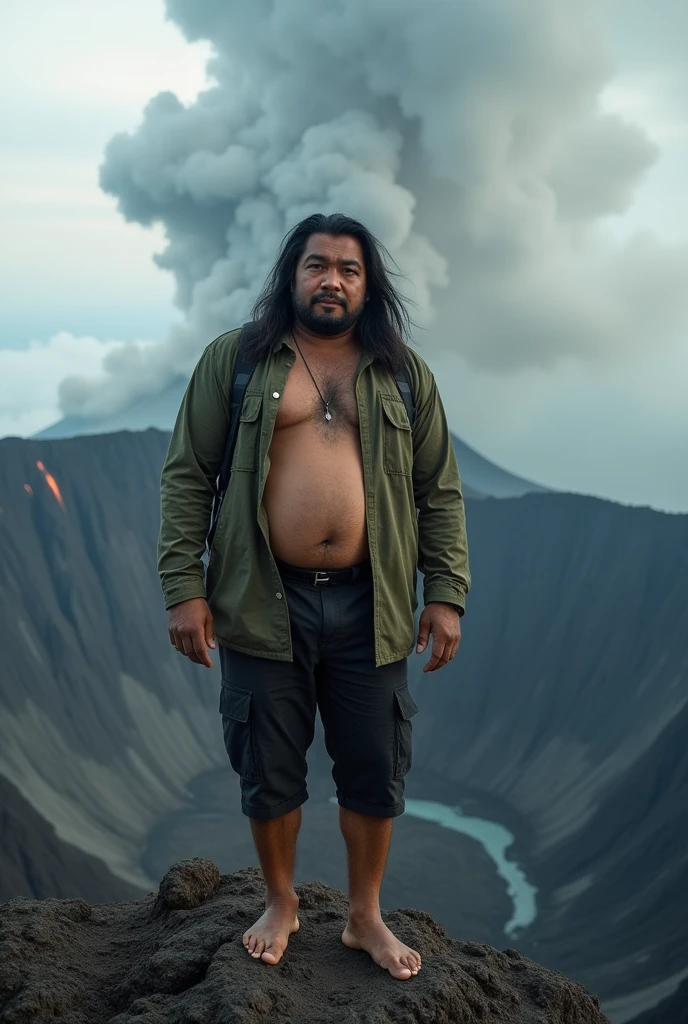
527	174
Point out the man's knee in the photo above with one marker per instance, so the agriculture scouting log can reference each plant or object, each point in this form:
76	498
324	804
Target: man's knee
370	764
383	802
262	804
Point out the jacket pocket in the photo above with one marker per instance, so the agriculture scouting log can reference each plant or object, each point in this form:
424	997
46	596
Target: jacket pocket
397	437
237	725
405	708
245	458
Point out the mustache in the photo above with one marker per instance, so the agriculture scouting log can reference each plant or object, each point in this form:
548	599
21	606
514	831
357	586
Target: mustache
326	295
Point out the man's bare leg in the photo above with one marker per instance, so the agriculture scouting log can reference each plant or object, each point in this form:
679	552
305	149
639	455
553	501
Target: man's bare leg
276	845
367	843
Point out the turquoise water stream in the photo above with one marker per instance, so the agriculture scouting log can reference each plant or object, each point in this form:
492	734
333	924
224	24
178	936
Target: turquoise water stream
495	840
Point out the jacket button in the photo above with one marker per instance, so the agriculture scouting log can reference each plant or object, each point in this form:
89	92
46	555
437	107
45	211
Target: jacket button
279	595
275	394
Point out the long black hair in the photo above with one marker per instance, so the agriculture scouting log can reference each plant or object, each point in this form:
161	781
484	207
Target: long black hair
384	325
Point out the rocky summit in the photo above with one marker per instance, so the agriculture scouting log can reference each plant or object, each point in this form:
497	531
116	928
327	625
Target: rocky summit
176	957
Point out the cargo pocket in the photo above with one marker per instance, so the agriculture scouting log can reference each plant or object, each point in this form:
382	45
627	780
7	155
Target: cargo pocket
245	458
397	437
405	708
235	708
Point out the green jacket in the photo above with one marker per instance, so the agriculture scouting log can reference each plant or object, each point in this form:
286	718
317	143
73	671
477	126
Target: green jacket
403	471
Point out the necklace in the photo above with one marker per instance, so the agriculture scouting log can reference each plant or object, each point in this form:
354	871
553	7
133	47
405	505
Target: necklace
328	414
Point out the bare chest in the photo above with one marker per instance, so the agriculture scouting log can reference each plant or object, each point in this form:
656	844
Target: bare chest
306	400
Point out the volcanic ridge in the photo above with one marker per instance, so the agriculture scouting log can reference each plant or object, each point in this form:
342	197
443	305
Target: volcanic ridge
176	956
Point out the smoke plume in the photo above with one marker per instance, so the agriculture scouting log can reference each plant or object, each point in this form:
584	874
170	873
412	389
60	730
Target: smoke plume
468	136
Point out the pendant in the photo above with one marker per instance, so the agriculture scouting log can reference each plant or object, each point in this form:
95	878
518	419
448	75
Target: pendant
328	415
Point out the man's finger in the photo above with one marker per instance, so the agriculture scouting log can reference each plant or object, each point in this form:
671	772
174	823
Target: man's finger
444	656
449	652
423	635
438	648
188	649
200	650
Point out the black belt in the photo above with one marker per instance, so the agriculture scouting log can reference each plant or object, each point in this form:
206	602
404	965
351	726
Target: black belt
325	577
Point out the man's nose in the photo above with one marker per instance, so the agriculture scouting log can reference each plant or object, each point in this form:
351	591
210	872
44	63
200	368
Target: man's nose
331	281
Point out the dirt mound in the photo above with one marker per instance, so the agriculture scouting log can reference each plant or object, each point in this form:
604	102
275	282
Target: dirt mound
176	957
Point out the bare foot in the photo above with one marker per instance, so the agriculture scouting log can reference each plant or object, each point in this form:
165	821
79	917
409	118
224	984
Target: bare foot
373	935
268	937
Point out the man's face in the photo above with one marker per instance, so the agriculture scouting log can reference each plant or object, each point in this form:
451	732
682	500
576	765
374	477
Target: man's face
330	284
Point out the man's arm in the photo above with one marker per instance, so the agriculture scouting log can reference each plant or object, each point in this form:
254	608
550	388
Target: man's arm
193	461
442	541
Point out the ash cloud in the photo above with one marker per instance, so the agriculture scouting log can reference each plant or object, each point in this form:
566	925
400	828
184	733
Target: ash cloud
468	137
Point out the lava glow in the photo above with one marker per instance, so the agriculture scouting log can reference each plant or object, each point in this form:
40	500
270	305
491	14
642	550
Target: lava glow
52	484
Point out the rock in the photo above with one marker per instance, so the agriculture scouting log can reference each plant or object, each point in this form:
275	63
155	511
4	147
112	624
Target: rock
188	884
177	958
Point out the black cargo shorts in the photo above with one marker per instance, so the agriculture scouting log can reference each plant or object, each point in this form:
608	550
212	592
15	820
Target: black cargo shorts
268	707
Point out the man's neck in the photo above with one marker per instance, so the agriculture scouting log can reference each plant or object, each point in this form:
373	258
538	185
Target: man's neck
337	344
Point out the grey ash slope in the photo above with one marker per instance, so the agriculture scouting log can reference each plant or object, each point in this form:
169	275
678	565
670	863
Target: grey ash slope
35	864
101	727
567	703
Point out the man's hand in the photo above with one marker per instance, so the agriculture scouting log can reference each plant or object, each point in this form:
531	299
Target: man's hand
190	628
442	620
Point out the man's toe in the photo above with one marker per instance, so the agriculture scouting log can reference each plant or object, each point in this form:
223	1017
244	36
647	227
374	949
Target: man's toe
272	954
258	948
401	971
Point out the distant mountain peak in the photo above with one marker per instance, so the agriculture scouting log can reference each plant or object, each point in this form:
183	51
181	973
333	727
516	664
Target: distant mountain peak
480	476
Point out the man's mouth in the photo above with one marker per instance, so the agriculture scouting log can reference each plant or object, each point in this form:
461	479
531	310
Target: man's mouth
329	302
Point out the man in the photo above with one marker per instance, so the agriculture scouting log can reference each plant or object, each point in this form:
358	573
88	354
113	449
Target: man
311	583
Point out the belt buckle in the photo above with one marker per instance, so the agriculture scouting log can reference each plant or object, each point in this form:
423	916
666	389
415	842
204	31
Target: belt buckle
321	577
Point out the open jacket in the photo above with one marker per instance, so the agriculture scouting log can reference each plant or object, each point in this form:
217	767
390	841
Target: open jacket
414	505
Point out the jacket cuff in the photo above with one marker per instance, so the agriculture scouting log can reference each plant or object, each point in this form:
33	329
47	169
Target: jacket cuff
183	588
447	593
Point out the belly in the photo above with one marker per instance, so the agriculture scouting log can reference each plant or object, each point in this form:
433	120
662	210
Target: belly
315	499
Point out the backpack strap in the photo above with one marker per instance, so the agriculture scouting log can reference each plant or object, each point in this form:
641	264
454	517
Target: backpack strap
404	385
243	371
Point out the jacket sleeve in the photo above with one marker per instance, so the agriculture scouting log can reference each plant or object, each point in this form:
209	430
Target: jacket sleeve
442	540
191	466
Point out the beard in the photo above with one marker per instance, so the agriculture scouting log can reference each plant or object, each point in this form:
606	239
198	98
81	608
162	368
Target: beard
326	323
